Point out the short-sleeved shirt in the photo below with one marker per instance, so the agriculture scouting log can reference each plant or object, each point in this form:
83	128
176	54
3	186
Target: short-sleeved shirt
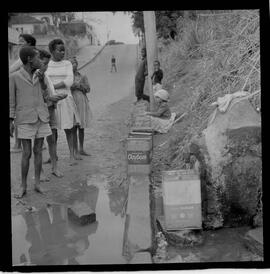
157	76
113	60
163	111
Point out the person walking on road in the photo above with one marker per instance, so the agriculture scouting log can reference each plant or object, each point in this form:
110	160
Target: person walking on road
79	90
31	114
24	40
51	98
113	64
140	78
60	73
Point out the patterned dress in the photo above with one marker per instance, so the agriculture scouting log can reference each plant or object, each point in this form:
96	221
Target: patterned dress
66	111
79	90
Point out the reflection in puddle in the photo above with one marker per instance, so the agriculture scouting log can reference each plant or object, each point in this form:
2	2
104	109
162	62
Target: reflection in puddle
49	237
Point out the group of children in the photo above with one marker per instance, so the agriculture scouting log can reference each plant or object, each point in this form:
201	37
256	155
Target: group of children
162	118
47	93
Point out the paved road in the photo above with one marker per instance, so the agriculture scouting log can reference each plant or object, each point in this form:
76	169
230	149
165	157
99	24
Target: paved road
107	87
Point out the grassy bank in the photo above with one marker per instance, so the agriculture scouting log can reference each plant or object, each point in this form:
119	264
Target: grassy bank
214	54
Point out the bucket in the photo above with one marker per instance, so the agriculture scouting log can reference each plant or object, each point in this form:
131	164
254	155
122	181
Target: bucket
182	199
139	153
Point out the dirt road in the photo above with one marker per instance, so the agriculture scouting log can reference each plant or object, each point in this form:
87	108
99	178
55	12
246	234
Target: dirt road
110	99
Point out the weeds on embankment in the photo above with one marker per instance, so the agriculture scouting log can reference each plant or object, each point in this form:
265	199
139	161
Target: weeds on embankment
216	53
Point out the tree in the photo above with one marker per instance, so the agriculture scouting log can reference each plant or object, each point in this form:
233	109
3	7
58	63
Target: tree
166	21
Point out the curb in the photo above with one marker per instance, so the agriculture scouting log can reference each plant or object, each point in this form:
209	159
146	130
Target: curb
93	58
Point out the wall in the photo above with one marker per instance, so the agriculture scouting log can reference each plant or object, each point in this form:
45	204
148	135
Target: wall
27	28
40	16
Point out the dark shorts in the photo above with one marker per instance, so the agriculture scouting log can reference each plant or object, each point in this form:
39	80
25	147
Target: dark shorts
139	85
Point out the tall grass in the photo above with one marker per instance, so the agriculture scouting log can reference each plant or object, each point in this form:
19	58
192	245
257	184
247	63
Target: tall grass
215	54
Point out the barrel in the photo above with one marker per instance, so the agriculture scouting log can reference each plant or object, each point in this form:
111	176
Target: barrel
181	191
139	153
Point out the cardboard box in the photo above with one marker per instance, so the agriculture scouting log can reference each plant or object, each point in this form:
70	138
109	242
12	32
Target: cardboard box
182	199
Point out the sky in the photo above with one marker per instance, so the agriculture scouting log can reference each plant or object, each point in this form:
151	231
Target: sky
117	26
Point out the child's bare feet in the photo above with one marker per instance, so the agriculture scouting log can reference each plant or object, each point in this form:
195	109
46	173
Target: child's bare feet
21	193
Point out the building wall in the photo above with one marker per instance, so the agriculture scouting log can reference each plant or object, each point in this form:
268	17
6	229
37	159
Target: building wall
41	16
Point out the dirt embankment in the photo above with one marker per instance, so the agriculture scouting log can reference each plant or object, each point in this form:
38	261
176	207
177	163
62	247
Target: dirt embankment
215	54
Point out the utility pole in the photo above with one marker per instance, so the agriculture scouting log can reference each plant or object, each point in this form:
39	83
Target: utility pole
149	19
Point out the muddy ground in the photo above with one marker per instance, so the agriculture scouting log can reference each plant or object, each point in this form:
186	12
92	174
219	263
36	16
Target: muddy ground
104	141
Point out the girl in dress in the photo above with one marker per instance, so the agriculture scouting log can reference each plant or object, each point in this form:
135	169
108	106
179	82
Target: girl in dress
79	90
60	73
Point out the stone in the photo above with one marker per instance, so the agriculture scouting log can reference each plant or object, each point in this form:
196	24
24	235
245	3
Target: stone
254	241
180	238
230	165
141	258
81	213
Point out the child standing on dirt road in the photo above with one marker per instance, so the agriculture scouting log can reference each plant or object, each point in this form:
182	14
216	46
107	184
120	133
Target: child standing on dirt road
79	89
163	118
51	98
113	64
27	106
24	40
60	73
140	78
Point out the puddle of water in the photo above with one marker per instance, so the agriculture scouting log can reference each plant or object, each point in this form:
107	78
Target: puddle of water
49	237
222	245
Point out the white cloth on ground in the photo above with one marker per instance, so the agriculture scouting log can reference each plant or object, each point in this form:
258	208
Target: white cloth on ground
224	102
162	125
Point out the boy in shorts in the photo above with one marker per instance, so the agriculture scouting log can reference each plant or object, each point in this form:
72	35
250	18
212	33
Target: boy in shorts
26	105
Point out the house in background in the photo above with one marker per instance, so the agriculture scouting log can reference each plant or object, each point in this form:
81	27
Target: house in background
28	24
43	16
84	33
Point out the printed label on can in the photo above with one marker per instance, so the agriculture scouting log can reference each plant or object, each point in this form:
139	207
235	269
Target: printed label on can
138	157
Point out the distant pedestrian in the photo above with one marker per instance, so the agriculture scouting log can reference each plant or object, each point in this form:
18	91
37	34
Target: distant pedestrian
140	78
31	114
113	60
79	89
162	119
157	76
24	40
51	98
60	73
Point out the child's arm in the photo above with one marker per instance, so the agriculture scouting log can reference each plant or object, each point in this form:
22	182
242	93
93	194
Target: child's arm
85	84
68	81
159	112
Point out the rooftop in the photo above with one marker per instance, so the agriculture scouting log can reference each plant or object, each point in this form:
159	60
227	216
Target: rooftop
24	19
